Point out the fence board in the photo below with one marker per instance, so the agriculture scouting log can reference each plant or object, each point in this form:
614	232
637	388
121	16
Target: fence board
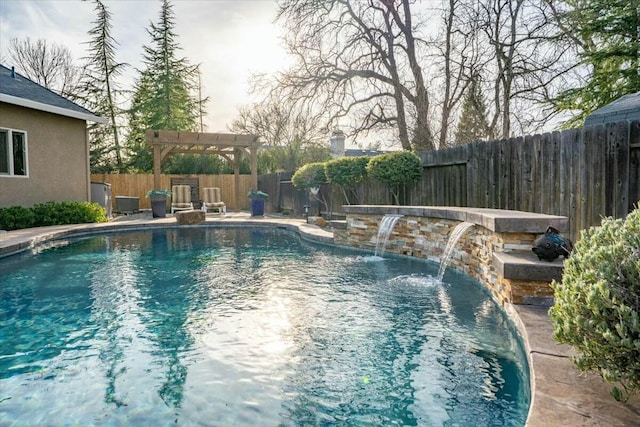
556	184
596	142
618	155
494	174
609	169
526	189
634	166
503	174
484	173
537	174
474	189
547	172
566	177
516	177
581	166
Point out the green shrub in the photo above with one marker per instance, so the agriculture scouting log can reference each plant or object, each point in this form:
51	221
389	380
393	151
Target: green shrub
346	173
16	218
51	213
597	305
395	170
311	175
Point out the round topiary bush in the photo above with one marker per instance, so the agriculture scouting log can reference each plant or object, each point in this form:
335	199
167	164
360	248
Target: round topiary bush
347	173
395	170
597	305
308	176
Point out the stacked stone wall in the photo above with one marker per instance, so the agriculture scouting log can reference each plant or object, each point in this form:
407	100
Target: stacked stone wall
427	237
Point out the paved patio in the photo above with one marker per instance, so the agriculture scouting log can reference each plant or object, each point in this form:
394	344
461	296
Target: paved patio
561	395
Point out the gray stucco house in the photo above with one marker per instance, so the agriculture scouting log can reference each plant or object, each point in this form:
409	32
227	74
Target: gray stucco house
44	144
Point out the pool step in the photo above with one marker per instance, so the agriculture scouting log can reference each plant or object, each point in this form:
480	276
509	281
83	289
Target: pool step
528	278
339	224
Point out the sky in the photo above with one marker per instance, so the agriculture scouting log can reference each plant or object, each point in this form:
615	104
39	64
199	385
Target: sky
230	39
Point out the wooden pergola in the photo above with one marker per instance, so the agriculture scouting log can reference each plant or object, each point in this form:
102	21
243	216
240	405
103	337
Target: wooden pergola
230	146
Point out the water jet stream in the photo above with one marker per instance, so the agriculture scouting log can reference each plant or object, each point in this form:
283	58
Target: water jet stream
384	230
455	235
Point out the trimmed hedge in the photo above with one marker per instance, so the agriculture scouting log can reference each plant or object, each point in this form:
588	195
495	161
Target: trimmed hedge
395	170
51	213
309	176
16	218
597	304
346	171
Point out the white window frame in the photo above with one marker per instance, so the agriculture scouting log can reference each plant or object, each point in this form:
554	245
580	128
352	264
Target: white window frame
9	132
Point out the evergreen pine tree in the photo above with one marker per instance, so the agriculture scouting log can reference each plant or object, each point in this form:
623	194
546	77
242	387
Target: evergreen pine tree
608	35
163	96
101	94
473	125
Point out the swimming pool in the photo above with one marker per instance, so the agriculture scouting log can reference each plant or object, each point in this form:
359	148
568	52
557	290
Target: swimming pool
207	326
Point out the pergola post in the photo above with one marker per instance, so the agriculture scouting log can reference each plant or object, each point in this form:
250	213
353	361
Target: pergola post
157	161
254	167
236	176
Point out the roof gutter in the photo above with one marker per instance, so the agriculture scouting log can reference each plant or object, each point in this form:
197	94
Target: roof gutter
22	102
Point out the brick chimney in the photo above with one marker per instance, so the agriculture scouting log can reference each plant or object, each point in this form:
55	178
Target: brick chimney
337	143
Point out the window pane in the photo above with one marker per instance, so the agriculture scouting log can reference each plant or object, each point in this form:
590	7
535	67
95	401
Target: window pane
19	154
4	152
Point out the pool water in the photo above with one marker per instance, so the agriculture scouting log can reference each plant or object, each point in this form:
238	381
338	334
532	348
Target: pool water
248	327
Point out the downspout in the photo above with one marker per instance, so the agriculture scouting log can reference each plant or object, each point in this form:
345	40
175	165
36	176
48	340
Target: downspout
88	158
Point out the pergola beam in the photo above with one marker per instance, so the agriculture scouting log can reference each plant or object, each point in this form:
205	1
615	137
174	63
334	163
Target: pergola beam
204	152
202	139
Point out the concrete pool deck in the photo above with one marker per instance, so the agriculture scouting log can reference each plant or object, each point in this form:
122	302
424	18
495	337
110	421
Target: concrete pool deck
561	395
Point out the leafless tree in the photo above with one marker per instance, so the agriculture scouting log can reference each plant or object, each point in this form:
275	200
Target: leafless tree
359	59
524	62
458	51
278	123
390	65
290	131
48	64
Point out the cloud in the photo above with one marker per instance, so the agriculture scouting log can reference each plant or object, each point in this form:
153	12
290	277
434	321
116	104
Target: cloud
229	39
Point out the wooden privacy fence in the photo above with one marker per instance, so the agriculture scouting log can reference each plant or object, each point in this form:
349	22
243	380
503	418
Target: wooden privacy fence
283	196
584	174
137	185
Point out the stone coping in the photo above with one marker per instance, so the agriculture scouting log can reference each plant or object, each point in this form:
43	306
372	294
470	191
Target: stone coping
37	238
561	396
501	221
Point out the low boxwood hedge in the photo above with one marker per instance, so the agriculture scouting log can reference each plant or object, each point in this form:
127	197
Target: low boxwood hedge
51	213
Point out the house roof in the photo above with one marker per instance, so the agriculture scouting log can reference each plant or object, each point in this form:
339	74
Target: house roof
18	90
626	107
357	152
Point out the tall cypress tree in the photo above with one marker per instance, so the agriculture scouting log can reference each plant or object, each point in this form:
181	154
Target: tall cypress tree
473	125
164	92
607	33
101	93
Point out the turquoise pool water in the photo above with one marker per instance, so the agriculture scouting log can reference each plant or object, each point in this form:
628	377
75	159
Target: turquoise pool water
248	327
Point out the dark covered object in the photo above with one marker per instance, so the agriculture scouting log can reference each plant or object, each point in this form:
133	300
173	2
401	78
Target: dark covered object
551	245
